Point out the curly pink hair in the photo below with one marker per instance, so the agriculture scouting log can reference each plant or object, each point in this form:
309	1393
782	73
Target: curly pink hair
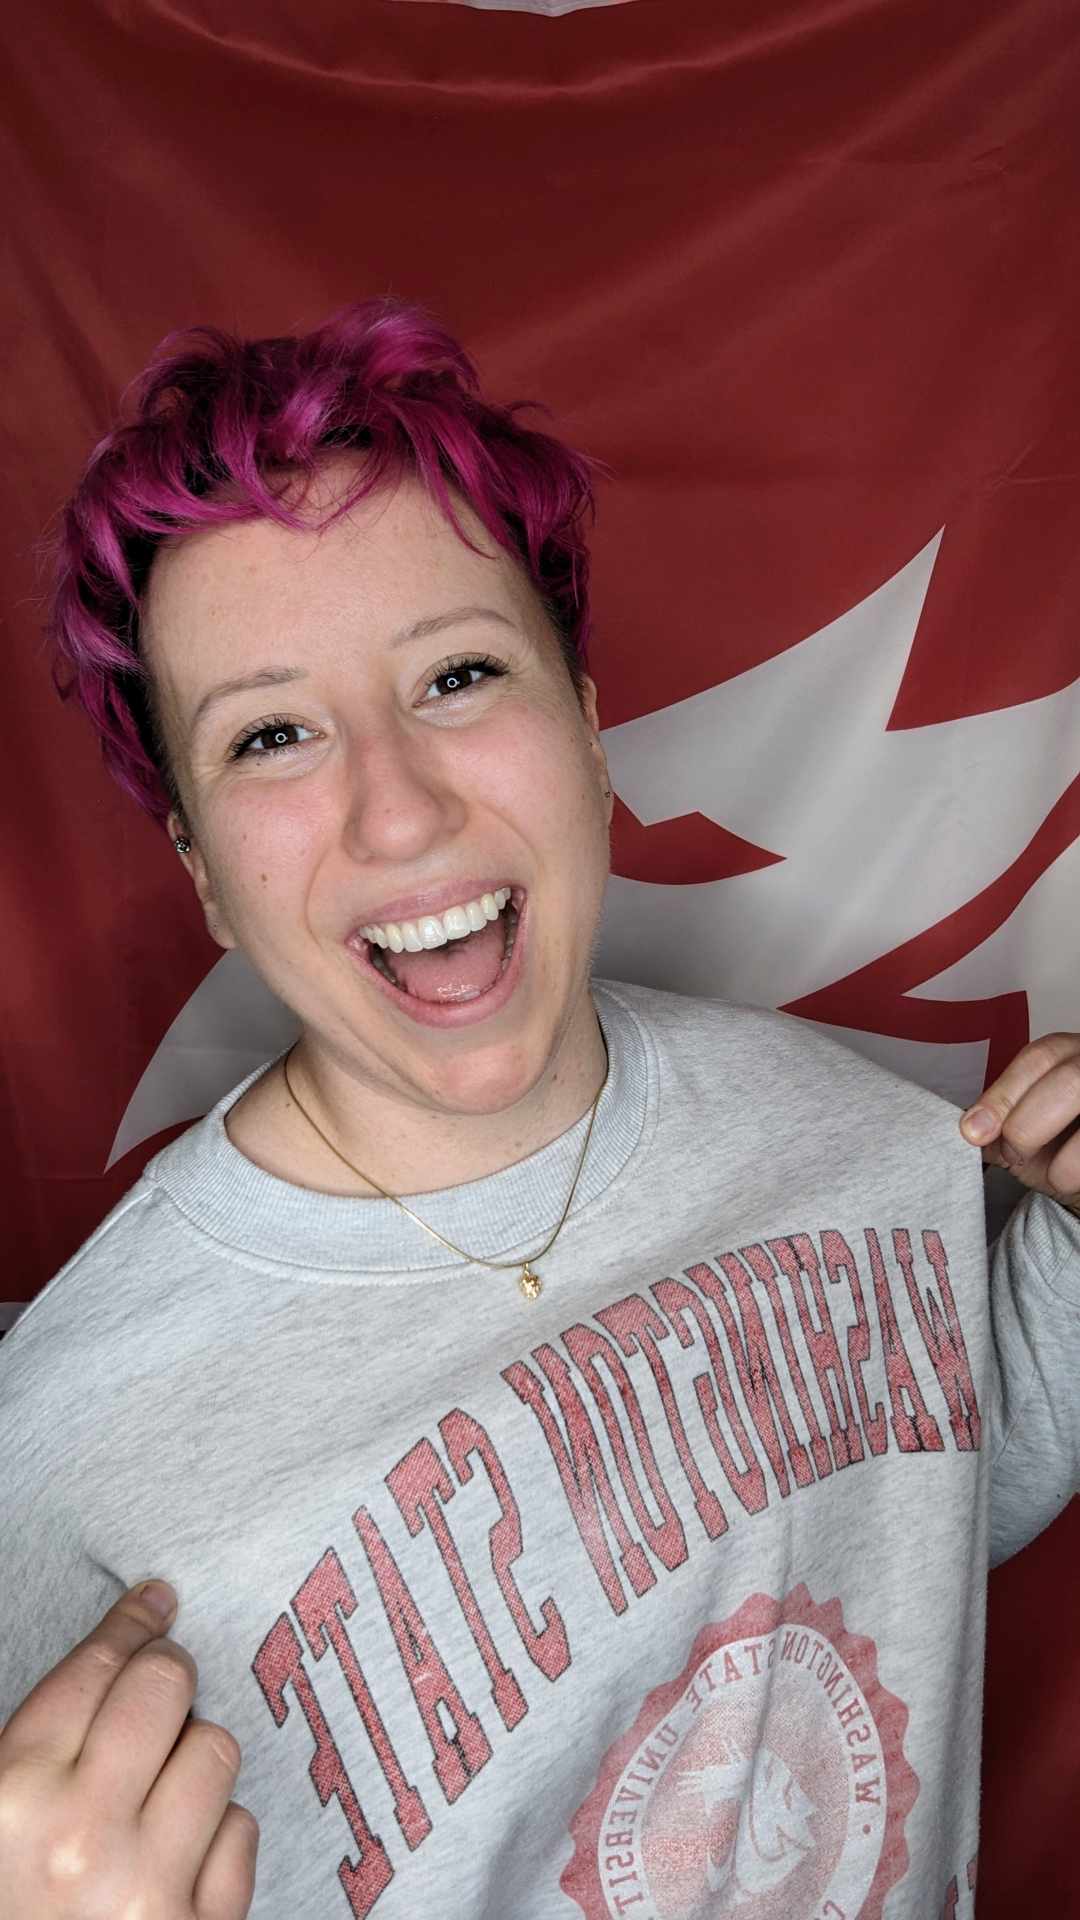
216	428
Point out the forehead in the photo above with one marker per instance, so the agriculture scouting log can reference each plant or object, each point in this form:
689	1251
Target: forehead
391	560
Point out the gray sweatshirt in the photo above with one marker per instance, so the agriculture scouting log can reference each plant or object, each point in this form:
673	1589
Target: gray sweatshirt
661	1596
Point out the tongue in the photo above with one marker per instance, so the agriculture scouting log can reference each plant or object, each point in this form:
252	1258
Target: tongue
459	971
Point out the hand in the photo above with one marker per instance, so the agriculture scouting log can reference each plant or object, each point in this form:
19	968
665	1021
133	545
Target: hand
109	1804
1029	1120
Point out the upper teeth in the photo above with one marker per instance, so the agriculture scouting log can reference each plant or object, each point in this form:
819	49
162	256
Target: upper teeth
435	929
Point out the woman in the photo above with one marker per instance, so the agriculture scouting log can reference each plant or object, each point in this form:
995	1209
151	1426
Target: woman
565	1413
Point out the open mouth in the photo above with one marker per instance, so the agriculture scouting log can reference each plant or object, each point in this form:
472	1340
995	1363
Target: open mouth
450	958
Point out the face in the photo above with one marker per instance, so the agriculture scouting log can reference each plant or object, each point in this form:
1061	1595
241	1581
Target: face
408	741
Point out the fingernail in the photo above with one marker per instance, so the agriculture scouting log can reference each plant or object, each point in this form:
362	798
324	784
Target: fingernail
979	1124
160	1599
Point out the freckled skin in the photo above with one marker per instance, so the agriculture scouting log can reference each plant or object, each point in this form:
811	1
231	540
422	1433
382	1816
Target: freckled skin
390	788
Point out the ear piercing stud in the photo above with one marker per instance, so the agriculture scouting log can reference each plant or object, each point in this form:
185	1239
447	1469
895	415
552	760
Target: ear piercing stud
182	845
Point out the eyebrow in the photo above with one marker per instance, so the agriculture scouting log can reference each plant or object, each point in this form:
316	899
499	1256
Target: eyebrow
282	676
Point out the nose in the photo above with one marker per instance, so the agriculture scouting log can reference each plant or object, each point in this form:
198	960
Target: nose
401	800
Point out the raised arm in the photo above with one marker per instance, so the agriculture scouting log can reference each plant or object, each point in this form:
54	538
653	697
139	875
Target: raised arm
1031	1125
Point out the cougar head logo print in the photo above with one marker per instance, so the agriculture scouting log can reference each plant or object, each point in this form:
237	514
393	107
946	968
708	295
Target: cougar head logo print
773	1832
764	1780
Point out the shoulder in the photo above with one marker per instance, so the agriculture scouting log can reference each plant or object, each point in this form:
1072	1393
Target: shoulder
781	1117
57	1344
757	1057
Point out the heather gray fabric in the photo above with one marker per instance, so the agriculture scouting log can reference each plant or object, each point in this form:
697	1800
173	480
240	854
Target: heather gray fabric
662	1596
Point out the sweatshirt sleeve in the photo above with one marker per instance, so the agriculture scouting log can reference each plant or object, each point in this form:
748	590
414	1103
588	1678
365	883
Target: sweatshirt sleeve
1035	1307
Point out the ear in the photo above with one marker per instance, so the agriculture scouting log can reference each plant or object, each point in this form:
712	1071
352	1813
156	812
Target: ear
199	874
590	707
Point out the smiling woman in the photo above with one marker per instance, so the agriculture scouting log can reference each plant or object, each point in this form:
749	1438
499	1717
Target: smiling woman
601	1556
398	786
322	515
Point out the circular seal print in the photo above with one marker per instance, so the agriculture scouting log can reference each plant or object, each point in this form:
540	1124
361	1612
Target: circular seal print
767	1781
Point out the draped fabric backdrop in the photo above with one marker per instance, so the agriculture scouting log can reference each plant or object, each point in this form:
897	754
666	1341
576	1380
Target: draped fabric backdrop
804	274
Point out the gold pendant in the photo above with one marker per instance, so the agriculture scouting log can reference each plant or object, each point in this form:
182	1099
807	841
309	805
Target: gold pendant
529	1282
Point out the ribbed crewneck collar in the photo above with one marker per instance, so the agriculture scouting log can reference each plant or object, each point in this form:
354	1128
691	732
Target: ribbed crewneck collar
506	1214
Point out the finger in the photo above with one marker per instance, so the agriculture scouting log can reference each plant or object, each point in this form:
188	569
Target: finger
1063	1173
225	1887
137	1727
55	1718
984	1121
188	1801
1054	1169
1045	1114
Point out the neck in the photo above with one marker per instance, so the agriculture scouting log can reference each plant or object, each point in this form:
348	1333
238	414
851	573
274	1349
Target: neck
403	1146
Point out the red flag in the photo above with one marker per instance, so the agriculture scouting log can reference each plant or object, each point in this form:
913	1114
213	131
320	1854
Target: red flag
804	277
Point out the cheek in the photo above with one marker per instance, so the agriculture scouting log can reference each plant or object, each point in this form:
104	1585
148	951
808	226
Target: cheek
547	786
264	852
544	772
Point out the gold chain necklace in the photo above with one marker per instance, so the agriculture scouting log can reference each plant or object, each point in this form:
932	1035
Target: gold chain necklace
528	1279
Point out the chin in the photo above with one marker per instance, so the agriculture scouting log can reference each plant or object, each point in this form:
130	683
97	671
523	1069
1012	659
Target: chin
492	1083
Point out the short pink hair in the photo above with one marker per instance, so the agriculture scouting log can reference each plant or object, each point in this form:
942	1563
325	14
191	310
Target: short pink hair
216	424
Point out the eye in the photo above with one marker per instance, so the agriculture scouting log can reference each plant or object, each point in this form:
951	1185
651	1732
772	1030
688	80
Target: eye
268	738
456	676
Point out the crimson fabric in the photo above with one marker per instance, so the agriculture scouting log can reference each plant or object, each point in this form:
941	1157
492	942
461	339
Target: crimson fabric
803	274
